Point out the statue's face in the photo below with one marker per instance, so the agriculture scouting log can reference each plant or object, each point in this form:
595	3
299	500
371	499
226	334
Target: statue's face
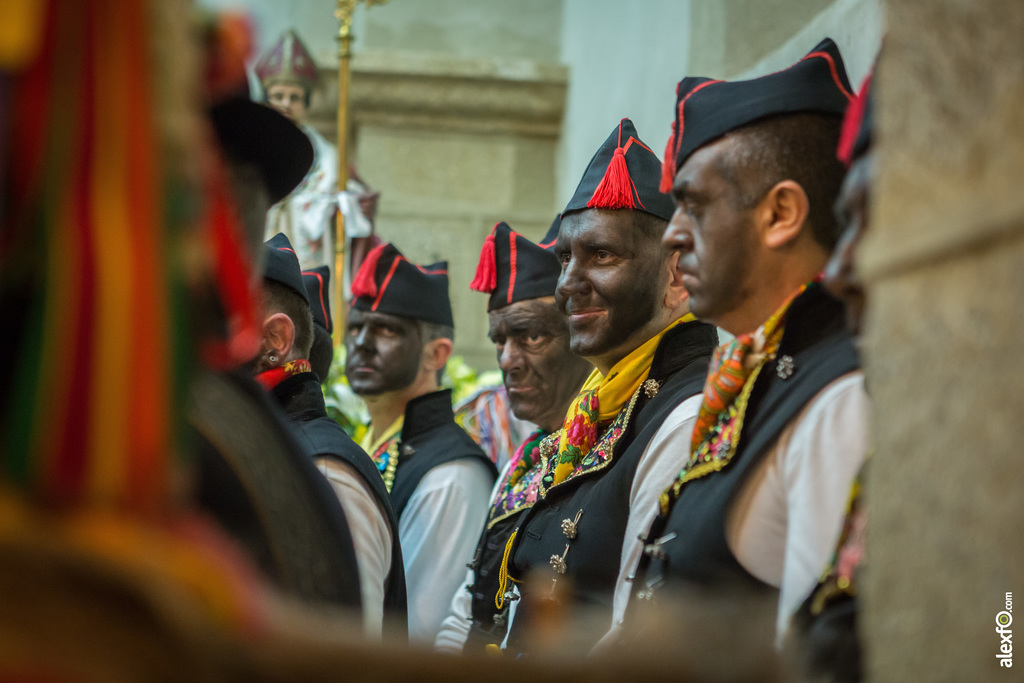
289	99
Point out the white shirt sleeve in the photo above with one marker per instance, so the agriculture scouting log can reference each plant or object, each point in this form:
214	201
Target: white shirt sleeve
663	458
785	521
439	530
371	536
455	627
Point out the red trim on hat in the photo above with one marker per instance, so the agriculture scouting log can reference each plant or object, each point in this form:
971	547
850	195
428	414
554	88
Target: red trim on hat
386	282
439	271
852	121
832	67
287	249
320	292
547	245
512	265
668	176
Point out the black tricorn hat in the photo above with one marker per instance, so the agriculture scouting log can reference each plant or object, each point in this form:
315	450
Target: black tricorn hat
551	236
252	133
389	283
858	125
707	109
623	174
512	268
282	265
317	281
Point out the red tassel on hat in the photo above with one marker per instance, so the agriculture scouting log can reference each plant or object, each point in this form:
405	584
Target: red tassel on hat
486	279
616	188
364	283
668	163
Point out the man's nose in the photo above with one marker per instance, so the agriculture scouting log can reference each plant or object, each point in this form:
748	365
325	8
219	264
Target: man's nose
677	234
509	359
572	280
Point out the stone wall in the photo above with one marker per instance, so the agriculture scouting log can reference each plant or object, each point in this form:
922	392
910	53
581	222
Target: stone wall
943	342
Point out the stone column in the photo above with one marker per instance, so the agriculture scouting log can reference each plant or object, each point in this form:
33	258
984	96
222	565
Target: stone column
945	265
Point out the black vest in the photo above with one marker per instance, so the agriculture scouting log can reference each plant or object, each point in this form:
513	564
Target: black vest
264	490
321	437
819	350
430	438
600	497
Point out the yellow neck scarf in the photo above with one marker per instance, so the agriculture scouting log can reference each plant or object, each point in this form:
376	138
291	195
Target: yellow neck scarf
601	399
370	444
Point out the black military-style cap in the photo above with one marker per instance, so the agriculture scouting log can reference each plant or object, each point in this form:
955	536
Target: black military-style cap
623	174
282	265
512	268
707	109
389	283
317	281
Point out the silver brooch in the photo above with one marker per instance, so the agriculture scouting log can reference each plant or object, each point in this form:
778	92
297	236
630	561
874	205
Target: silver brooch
558	563
569	526
654	549
785	367
651	387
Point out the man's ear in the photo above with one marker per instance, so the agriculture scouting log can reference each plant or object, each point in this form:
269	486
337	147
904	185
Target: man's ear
675	293
279	335
436	354
782	214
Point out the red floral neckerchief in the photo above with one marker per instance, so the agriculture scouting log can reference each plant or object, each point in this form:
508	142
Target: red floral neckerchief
269	379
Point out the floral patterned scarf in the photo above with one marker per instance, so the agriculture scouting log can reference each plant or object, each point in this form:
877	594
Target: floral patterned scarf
519	487
734	369
600	400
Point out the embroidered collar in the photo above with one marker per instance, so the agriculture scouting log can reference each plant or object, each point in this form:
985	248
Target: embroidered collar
519	488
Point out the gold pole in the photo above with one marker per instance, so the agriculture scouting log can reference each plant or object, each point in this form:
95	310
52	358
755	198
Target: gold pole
343	13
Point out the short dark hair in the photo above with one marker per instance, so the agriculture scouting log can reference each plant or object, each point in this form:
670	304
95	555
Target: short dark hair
799	147
649	225
280	299
430	331
321	353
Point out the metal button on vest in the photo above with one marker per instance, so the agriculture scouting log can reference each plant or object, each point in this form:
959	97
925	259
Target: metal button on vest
785	367
558	563
651	387
570	526
407	449
654	549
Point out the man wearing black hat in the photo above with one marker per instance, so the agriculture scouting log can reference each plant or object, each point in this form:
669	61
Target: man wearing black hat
781	432
284	370
541	376
399	337
627	313
321	353
826	624
252	476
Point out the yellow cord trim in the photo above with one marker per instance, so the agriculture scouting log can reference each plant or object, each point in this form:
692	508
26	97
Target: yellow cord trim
503	577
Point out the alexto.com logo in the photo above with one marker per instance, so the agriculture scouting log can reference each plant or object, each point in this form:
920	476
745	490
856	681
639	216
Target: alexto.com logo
1003	621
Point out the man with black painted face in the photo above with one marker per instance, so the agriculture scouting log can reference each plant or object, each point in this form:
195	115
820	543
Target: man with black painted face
399	338
621	294
541	376
758	505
